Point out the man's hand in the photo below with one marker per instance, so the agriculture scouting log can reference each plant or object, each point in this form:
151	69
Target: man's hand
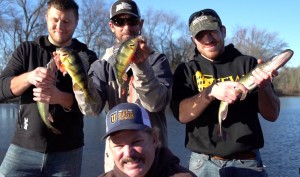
228	91
41	77
143	51
261	78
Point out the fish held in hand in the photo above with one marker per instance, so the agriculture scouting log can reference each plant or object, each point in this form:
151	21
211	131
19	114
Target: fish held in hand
76	67
125	56
273	64
43	108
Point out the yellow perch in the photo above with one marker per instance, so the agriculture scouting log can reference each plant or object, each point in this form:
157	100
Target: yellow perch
74	66
124	57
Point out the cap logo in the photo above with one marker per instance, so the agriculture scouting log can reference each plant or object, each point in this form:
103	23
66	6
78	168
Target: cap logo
122	6
201	18
122	115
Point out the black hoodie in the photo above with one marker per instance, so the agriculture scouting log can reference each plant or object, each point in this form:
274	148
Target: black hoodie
31	133
241	126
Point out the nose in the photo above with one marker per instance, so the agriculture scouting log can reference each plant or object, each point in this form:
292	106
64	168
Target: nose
207	38
59	24
128	151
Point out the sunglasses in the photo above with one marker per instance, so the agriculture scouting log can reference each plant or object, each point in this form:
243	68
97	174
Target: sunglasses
125	21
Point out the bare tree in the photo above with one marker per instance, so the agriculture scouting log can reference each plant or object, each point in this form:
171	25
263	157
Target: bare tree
93	28
256	42
24	20
168	34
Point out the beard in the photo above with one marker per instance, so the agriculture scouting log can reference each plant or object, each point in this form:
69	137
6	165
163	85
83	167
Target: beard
60	41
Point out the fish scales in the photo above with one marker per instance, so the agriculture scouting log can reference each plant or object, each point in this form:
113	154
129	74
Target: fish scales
43	108
274	63
125	56
73	65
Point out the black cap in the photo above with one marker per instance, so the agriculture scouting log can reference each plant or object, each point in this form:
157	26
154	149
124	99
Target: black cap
206	19
124	7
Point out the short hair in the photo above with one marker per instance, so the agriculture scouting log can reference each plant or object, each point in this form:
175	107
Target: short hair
64	5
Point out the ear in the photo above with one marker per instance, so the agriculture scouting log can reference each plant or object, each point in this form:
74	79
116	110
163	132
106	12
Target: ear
193	40
141	24
76	22
111	26
223	29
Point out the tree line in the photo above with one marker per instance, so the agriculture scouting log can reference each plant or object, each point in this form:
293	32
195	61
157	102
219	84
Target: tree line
24	20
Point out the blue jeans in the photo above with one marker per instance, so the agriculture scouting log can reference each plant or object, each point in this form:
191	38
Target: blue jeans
206	166
20	162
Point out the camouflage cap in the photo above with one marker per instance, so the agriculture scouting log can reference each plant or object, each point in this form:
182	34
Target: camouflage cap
206	19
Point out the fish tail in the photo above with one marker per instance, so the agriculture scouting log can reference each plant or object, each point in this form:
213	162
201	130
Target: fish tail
222	114
223	110
50	118
220	130
222	133
46	117
55	131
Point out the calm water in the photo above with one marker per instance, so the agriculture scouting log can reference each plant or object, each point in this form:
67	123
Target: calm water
281	153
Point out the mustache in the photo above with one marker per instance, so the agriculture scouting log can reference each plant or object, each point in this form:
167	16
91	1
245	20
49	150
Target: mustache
213	42
130	159
133	33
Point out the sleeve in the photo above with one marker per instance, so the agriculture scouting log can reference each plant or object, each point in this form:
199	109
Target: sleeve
91	105
98	80
183	87
14	68
153	82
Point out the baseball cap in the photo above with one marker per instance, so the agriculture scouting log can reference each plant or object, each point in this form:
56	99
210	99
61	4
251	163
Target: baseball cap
124	7
206	19
126	116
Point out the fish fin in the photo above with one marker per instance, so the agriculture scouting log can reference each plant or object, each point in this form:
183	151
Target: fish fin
222	133
55	131
222	114
76	87
50	118
243	96
223	110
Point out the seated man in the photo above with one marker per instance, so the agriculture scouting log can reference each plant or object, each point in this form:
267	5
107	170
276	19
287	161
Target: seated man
134	145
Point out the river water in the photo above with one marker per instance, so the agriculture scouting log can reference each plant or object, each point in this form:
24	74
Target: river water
281	153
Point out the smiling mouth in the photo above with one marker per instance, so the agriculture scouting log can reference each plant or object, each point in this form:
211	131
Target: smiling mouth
132	161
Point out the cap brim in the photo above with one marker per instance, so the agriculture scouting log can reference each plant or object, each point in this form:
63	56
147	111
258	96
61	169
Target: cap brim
125	127
195	29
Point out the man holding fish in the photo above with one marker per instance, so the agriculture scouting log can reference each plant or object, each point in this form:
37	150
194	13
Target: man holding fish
48	139
131	72
230	148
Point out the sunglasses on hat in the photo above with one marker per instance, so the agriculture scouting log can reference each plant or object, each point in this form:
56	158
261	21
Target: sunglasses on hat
125	21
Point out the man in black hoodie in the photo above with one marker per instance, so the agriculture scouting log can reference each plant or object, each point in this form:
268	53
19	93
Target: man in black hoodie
134	145
200	85
35	150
